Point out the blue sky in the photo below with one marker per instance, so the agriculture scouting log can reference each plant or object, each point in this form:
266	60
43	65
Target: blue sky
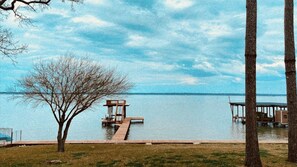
194	46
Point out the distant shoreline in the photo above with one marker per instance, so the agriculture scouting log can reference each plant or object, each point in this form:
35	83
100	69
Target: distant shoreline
180	94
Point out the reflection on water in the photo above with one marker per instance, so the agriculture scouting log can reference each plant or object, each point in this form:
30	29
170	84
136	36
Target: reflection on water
270	132
264	132
110	131
237	130
173	117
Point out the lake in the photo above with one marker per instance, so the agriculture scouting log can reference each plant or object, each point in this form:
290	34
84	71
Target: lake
170	117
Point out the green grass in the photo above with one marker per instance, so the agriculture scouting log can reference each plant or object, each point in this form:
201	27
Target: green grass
100	155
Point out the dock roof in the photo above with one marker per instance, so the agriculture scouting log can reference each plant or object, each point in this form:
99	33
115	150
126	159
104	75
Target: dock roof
261	104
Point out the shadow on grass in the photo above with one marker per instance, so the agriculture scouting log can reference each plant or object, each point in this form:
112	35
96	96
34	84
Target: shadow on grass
107	164
180	160
79	155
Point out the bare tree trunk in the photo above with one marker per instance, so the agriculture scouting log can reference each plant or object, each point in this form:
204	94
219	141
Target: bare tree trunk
291	79
61	142
62	135
252	145
65	133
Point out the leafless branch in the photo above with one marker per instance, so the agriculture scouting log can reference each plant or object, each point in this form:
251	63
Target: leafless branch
8	46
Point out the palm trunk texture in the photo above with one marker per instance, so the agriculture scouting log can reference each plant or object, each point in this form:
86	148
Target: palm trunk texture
291	80
252	145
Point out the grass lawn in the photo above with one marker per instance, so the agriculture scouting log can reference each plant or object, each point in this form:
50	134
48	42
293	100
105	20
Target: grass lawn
141	155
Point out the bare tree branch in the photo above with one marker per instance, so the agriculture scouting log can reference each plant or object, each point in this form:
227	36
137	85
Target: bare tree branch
11	5
8	46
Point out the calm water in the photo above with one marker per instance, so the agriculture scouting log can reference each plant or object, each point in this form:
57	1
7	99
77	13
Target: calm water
174	117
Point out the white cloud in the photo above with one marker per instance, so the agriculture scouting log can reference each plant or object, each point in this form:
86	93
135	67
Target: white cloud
189	80
153	73
91	20
157	66
237	80
30	36
135	40
234	67
271	68
11	21
178	4
205	66
237	67
57	11
215	29
95	2
167	79
151	66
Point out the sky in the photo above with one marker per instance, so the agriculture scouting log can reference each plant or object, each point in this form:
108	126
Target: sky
163	46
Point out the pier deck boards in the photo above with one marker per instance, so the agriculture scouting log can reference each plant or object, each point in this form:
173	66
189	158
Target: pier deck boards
122	132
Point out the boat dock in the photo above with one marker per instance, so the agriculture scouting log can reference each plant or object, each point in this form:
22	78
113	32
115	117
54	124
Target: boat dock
116	112
266	112
123	130
117	116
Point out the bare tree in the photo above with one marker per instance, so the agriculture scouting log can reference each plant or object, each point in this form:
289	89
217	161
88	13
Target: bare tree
291	79
9	47
252	145
70	86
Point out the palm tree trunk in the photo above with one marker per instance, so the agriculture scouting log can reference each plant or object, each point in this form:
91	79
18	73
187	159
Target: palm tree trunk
291	79
252	145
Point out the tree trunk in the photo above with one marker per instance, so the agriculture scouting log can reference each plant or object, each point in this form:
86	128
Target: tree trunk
252	146
65	133
291	79
61	142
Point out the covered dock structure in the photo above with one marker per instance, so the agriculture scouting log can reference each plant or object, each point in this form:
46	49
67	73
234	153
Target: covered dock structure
266	111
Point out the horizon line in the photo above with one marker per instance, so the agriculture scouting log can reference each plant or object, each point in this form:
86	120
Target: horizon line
178	93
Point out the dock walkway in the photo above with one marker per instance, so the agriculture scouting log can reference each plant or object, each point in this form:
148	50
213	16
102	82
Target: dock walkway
121	133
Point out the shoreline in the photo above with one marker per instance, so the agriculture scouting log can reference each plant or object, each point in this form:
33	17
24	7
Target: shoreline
148	142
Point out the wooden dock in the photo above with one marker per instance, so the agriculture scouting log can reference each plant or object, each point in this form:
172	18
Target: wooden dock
122	133
266	111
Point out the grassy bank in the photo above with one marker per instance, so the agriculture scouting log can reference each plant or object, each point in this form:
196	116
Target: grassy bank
141	155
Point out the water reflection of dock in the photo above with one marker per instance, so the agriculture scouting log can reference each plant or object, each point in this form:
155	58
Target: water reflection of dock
267	112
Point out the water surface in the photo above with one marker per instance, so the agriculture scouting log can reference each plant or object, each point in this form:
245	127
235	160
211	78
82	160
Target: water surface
172	117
